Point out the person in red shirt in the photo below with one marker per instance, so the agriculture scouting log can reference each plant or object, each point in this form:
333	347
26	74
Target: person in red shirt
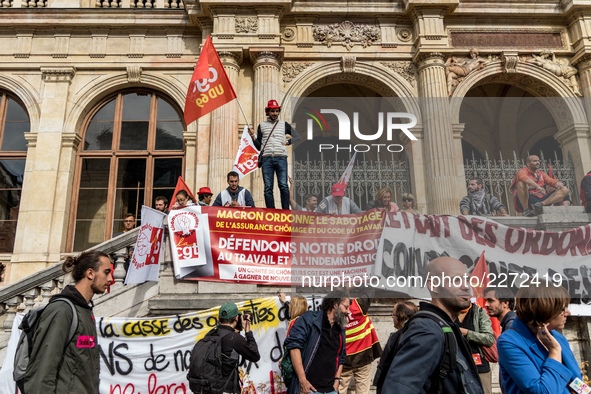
586	192
529	188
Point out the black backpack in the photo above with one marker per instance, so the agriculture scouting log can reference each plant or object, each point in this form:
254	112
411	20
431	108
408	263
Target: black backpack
25	342
445	365
205	369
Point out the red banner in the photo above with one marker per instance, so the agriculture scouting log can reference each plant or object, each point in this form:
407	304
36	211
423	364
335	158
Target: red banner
210	87
271	246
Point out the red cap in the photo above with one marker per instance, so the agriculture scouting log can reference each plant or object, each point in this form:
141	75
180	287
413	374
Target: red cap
338	189
273	104
204	190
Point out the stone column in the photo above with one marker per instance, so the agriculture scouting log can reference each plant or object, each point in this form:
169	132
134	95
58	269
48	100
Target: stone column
444	184
42	224
582	146
266	65
223	137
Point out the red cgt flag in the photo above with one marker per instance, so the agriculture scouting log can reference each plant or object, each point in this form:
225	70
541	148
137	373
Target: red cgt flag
210	87
480	271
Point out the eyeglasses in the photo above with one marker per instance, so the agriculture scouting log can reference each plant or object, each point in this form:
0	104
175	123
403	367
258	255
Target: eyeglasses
406	200
346	306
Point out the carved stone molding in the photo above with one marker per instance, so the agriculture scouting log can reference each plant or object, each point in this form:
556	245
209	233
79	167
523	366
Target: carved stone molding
137	42
246	24
31	139
583	63
231	58
71	140
510	60
404	35
24	41
559	67
134	74
357	79
458	68
266	56
292	69
347	34
289	34
406	70
98	44
429	59
54	74
348	64
62	45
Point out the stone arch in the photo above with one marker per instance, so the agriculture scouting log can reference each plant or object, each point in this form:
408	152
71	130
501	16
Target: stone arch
89	97
565	108
385	82
26	95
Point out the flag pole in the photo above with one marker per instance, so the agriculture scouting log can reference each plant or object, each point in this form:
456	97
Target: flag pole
243	114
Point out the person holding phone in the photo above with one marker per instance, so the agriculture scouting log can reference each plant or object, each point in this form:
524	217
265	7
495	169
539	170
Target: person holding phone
533	356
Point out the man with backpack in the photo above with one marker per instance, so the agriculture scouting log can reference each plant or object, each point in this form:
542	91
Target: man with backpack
63	363
432	355
214	359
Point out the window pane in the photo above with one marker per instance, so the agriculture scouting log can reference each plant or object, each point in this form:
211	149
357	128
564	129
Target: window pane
92	204
95	173
11	180
15	127
169	128
99	134
88	234
136	107
129	196
134	135
167	172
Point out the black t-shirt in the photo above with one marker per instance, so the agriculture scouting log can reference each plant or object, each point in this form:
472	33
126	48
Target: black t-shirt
324	367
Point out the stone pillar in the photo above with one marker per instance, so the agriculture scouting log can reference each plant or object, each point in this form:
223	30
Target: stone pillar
42	224
445	185
583	141
266	65
224	127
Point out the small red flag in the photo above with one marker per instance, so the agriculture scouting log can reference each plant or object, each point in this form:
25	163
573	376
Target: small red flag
181	185
210	87
480	271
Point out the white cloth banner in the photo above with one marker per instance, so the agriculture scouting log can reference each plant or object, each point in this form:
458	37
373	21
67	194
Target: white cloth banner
514	255
247	157
348	171
152	355
145	262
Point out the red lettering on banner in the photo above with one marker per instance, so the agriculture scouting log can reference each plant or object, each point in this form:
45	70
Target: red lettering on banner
433	224
406	221
532	238
514	247
465	229
549	242
117	389
173	388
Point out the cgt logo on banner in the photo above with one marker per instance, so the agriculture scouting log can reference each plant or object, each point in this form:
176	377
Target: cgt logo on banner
392	121
186	229
247	156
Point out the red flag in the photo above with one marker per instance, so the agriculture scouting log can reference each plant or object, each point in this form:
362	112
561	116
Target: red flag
210	87
181	185
247	156
480	271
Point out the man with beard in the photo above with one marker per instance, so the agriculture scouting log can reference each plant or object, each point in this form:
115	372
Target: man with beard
316	344
529	188
271	140
59	364
415	368
479	202
234	195
310	200
499	303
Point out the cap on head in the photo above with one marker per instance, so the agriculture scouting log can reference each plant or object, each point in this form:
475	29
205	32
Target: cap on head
273	104
338	189
204	190
228	311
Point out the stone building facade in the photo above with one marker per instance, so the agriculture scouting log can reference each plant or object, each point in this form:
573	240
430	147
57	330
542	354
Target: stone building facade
92	94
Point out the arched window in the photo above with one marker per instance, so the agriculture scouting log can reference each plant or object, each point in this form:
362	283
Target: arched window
132	152
14	123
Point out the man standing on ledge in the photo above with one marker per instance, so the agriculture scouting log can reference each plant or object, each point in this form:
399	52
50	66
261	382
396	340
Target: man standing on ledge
271	140
529	187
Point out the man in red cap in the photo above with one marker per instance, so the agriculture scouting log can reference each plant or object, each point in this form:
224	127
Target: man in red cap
271	140
337	203
204	194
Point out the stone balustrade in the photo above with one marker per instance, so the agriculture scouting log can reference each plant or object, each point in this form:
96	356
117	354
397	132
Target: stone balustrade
157	4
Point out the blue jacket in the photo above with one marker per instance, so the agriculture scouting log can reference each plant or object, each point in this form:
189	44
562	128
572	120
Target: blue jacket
305	334
525	366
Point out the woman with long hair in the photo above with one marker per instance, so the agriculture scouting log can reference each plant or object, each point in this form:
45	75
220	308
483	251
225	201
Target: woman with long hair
533	356
384	201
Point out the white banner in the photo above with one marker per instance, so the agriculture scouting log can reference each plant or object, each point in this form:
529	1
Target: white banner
514	255
145	262
247	157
